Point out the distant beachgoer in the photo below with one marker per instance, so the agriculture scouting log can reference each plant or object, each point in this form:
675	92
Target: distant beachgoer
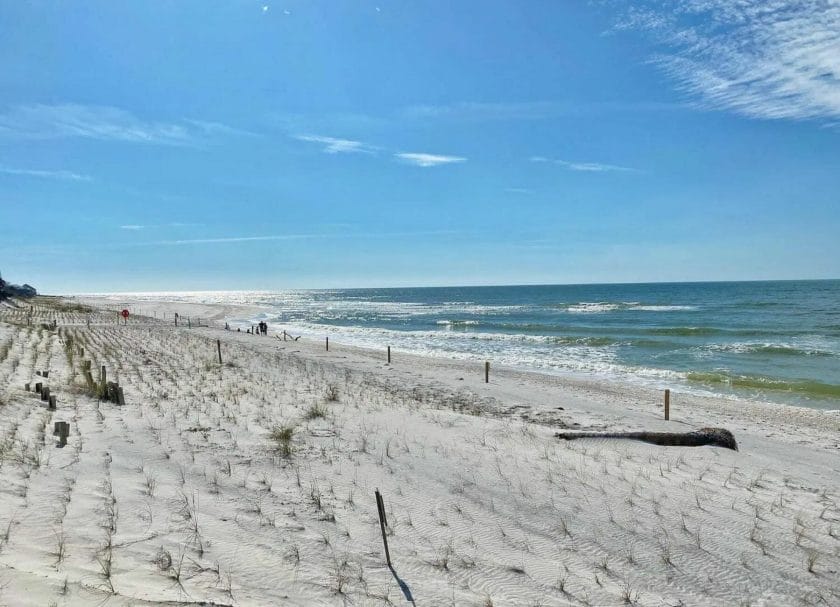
227	327
238	330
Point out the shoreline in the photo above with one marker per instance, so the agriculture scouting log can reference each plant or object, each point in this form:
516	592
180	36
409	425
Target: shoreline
572	360
217	313
610	402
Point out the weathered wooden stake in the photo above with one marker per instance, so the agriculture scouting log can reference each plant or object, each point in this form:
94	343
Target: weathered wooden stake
61	430
189	323
383	521
328	344
38	387
45	394
486	371
219	348
120	396
667	404
389	355
51	403
26	387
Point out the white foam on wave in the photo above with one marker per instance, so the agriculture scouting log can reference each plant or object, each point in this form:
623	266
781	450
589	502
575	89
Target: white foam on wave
590	307
596	307
661	308
458	323
802	347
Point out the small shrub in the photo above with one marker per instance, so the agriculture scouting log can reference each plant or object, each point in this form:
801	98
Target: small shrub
316	411
282	436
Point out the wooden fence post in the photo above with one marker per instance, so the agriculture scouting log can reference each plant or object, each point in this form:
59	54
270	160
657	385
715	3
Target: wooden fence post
383	521
328	344
389	355
61	430
219	348
486	371
667	404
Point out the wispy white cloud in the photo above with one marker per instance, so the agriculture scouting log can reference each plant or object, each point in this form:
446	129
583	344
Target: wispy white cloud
760	58
334	145
62	175
485	110
301	236
104	123
591	167
174	224
427	160
519	190
217	128
525	110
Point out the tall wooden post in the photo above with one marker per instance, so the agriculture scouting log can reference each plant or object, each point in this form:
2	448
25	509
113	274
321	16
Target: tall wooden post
486	371
667	404
380	506
328	344
389	355
219	348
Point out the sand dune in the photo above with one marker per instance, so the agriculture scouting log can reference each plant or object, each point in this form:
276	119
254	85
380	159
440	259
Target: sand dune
252	482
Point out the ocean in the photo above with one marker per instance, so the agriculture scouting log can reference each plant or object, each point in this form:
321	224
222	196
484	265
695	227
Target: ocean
774	341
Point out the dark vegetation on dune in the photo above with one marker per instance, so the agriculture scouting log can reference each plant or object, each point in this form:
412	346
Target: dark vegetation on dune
8	290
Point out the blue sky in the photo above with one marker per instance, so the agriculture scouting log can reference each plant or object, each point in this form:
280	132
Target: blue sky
270	145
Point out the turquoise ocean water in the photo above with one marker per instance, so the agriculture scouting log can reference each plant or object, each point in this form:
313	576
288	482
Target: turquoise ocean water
776	341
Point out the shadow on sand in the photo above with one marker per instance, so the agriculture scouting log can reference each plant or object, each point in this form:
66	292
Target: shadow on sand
403	586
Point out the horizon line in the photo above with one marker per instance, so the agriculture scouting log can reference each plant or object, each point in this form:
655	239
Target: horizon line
443	286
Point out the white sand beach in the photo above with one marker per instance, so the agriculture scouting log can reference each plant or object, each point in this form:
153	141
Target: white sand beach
252	482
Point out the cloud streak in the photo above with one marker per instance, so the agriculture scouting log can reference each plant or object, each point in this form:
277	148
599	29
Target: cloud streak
771	59
334	145
586	167
104	123
421	159
42	174
282	237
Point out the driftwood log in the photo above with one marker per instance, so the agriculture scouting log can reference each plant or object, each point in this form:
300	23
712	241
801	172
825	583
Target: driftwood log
714	437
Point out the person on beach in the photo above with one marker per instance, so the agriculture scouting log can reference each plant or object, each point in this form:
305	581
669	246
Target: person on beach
227	327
